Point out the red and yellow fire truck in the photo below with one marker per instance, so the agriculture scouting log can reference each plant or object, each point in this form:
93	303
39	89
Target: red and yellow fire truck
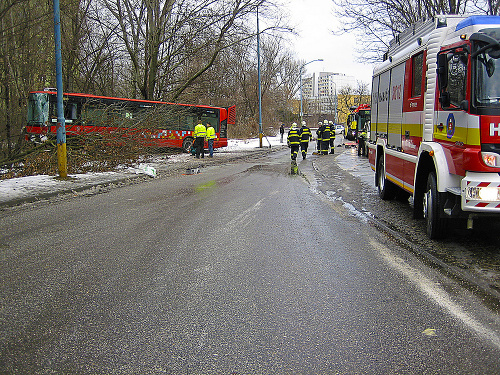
435	119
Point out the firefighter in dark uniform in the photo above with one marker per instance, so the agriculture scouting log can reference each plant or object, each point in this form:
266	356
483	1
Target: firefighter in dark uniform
332	137
305	135
318	138
294	141
325	138
361	142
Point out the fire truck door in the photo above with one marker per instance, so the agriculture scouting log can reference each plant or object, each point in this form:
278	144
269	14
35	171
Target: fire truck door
452	125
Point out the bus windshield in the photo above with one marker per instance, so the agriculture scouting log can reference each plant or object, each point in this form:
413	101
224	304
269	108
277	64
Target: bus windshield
364	117
487	70
38	109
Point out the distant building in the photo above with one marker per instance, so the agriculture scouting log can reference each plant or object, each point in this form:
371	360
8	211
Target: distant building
322	98
326	84
321	94
331	83
309	87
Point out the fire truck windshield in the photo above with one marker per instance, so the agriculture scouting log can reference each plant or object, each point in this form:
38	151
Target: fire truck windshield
486	57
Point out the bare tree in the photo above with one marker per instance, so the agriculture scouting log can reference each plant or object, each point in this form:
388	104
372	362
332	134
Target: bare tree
197	51
349	97
23	61
171	43
493	7
378	21
362	91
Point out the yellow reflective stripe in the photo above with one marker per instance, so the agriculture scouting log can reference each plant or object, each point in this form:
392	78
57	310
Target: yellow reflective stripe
199	131
211	133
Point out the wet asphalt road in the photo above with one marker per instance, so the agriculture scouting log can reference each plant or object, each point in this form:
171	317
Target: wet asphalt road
241	269
349	179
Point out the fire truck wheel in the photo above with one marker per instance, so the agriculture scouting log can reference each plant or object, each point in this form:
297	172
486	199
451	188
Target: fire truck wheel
187	143
386	189
435	225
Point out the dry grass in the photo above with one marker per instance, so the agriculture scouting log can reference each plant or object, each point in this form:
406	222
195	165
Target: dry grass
85	153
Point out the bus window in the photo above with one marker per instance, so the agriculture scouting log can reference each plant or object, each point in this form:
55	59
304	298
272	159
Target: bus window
92	116
70	111
212	118
364	116
169	116
188	121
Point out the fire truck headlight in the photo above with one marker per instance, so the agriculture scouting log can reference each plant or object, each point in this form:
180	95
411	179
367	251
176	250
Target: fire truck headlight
485	193
491	159
488	193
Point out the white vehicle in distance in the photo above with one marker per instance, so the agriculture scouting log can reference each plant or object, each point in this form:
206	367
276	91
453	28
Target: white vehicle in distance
339	129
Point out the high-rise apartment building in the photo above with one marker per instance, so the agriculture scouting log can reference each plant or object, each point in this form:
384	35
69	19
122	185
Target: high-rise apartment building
323	97
309	86
329	84
326	84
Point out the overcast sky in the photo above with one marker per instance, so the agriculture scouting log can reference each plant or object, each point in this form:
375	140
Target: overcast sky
314	20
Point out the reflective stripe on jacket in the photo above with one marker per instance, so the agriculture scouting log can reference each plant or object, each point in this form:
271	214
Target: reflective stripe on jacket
325	133
305	134
332	133
293	137
200	131
210	132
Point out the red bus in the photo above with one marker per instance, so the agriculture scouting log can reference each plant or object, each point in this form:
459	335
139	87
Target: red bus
157	123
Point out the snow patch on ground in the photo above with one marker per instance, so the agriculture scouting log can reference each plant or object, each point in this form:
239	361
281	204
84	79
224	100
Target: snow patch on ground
22	187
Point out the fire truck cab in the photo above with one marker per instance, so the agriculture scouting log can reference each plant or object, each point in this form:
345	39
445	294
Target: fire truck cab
358	119
435	119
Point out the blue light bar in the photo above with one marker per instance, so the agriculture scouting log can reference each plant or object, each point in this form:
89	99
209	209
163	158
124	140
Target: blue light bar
478	20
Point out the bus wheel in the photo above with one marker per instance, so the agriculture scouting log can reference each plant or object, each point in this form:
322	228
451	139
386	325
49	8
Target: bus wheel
386	189
187	143
435	224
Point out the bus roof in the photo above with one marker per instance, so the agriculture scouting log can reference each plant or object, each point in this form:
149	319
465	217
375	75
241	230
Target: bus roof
123	99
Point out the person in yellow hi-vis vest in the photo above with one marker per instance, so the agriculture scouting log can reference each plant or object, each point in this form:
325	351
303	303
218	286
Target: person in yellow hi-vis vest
210	138
200	133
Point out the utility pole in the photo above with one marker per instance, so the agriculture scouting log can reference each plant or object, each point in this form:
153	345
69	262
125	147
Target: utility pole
335	113
258	74
61	122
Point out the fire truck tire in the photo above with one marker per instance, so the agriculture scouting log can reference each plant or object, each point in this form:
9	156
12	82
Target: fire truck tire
435	224
386	189
186	144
